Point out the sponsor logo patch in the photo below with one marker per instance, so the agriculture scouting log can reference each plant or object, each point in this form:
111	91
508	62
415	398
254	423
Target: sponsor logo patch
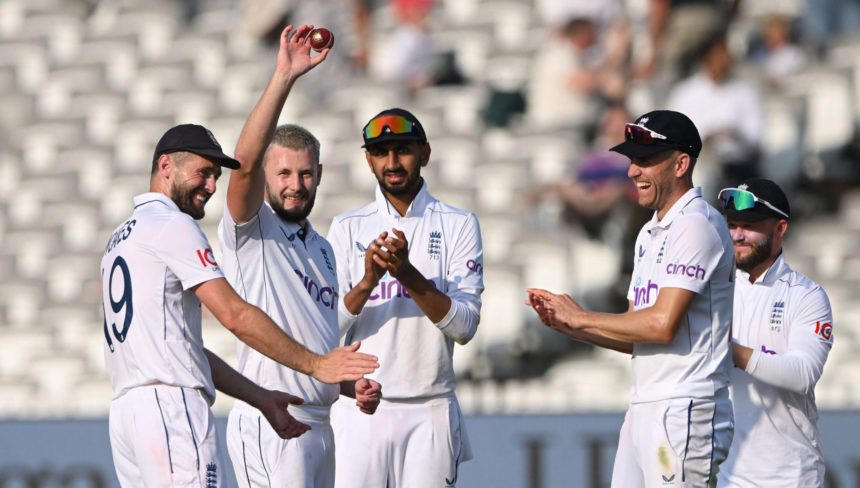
689	270
824	331
642	294
207	257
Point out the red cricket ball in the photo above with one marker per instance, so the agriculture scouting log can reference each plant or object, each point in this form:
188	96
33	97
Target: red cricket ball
321	38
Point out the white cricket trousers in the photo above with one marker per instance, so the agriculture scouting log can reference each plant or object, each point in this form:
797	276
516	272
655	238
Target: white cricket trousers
262	459
405	444
164	436
674	443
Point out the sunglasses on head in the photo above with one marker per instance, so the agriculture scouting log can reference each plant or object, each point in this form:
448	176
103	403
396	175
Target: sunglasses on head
744	200
642	135
397	124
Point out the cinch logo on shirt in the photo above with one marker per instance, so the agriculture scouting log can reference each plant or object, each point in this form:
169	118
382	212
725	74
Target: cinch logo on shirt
686	270
392	289
642	294
324	294
766	350
475	266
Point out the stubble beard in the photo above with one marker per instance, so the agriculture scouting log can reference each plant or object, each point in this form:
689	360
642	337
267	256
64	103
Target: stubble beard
759	253
185	200
294	216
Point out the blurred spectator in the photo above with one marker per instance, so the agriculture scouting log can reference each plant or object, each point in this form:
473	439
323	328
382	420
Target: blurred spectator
729	115
825	20
408	55
598	194
573	72
264	19
677	28
779	56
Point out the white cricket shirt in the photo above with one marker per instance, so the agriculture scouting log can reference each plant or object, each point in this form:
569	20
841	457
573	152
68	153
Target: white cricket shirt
415	355
294	281
786	319
689	248
152	317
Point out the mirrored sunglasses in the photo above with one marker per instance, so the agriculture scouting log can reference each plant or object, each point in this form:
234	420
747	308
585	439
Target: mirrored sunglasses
397	124
744	200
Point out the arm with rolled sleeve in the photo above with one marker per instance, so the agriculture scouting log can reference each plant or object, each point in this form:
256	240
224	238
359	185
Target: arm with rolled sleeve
800	367
465	283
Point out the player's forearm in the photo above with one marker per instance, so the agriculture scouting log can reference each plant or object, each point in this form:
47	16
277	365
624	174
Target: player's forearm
602	341
258	129
245	192
357	297
230	382
791	371
648	325
424	293
741	355
256	329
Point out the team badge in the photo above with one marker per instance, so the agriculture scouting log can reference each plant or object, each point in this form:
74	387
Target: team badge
776	315
434	246
211	475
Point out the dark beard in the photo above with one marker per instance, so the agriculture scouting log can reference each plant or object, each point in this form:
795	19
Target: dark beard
760	253
184	199
408	186
294	216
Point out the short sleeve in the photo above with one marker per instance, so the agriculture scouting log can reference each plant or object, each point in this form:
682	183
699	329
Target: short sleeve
339	242
233	236
693	253
640	243
187	253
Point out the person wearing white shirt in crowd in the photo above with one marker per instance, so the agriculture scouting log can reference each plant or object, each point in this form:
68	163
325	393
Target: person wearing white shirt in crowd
782	333
410	272
678	427
728	113
157	269
275	260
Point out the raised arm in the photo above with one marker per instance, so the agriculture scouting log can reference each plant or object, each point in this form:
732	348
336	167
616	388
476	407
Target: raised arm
245	192
255	328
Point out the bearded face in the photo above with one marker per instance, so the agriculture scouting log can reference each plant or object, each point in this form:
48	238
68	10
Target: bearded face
291	205
754	242
752	253
292	178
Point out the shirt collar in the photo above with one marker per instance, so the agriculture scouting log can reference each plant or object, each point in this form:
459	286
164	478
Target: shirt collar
776	270
145	198
416	209
292	227
676	208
